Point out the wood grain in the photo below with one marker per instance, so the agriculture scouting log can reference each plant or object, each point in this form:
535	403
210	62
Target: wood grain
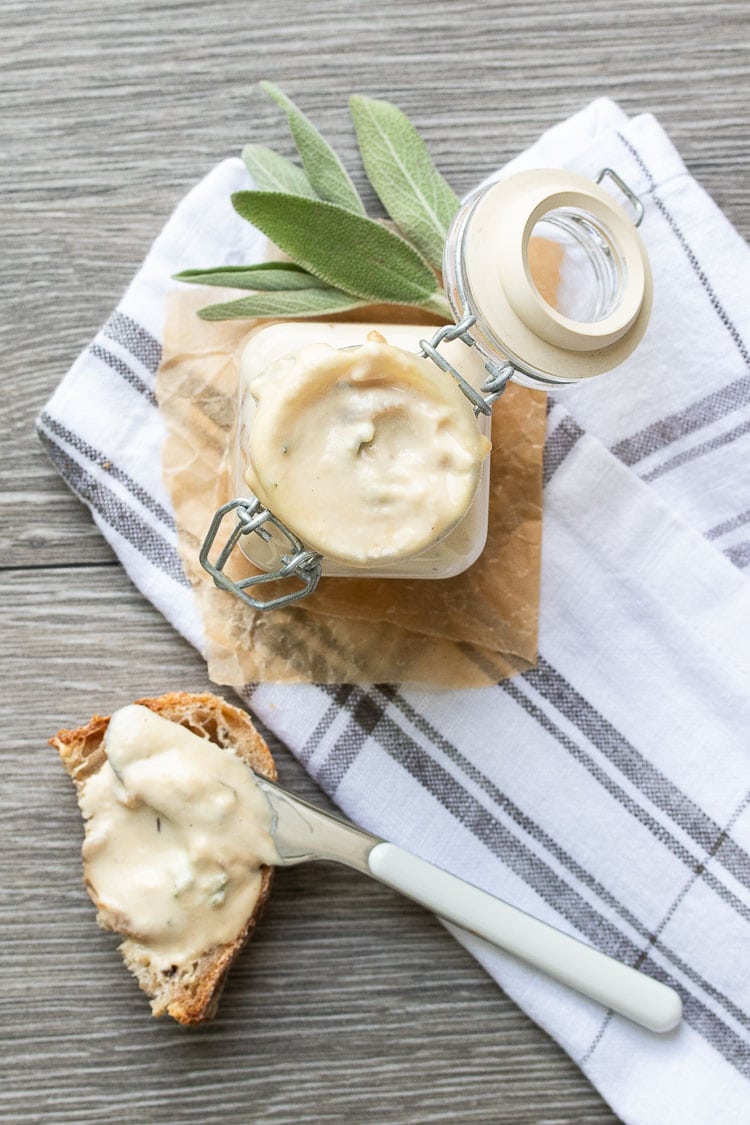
351	1005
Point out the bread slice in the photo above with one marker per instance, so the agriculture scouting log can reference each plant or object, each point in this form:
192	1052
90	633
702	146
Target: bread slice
190	995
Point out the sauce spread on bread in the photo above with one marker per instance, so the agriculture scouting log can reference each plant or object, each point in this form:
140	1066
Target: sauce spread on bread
176	833
369	453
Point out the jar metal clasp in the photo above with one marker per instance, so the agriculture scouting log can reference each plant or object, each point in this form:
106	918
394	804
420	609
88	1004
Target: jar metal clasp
297	563
499	374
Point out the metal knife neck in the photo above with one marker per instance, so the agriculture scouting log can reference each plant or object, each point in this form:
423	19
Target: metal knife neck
302	832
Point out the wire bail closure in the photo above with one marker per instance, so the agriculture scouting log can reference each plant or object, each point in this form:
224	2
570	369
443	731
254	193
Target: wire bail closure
634	200
499	374
251	518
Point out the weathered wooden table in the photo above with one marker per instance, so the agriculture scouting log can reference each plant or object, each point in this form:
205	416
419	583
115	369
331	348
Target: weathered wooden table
351	1005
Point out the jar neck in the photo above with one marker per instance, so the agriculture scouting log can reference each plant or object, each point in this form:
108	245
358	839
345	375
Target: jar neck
555	274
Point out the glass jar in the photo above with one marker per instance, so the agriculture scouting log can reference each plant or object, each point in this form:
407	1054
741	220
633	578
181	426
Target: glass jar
507	328
270	354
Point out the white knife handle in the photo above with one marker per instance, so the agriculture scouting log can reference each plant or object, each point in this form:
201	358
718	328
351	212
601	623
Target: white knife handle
646	1001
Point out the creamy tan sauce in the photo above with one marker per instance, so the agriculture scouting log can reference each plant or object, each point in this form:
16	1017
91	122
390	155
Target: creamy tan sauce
368	453
176	832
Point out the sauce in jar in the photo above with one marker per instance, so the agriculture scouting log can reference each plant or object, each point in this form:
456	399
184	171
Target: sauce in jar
369	454
364	449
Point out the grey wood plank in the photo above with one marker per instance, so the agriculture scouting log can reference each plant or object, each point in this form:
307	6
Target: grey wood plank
351	1005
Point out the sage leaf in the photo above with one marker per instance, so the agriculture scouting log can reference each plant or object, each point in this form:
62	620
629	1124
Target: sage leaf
349	252
324	170
297	302
265	276
419	200
272	172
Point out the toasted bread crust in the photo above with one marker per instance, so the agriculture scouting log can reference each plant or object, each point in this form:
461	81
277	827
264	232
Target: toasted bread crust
190	995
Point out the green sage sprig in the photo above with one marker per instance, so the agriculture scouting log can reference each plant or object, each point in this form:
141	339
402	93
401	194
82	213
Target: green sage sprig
322	166
420	202
341	258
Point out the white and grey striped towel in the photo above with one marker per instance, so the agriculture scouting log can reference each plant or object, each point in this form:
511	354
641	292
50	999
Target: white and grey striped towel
607	790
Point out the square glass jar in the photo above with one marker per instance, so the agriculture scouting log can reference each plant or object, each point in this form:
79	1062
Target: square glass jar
446	557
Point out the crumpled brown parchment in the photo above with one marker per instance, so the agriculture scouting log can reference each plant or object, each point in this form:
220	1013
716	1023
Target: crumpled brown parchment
471	630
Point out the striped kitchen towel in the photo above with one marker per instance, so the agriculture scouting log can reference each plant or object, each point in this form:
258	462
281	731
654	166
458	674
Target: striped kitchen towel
608	789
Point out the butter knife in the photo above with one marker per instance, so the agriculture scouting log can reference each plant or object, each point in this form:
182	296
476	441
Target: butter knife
303	833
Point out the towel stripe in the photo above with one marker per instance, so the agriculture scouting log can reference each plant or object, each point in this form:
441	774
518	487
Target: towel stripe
692	257
341	697
365	713
728	525
716	405
75	441
650	781
668	430
739	554
121	368
558	445
658	830
120	517
135	339
697	451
